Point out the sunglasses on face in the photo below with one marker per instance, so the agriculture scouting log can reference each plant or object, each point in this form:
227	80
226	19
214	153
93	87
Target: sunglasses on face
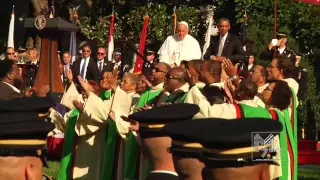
101	53
168	77
158	70
10	53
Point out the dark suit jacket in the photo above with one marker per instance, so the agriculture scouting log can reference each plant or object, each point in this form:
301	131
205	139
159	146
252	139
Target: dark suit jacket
267	55
30	74
7	92
92	71
107	66
232	48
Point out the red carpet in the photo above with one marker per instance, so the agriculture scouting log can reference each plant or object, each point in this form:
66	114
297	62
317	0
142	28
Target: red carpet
307	152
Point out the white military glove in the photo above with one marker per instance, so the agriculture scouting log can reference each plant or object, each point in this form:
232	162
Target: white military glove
274	42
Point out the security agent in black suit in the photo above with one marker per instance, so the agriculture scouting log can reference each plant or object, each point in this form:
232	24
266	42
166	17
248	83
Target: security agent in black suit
32	68
154	142
85	67
101	63
279	45
225	46
227	148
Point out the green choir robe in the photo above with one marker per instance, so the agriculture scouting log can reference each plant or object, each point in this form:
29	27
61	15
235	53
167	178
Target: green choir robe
288	146
132	160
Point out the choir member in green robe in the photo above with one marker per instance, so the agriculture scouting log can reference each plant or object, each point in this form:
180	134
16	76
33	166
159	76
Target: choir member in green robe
277	96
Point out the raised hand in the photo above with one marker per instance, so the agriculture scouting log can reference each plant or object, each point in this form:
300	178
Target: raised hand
43	91
78	105
85	85
193	78
70	76
229	68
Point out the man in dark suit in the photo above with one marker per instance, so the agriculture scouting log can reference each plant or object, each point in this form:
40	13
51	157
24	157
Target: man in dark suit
85	67
102	64
11	80
225	46
32	68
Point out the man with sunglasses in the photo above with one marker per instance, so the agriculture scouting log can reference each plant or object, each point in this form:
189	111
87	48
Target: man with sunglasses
85	67
102	64
176	85
10	53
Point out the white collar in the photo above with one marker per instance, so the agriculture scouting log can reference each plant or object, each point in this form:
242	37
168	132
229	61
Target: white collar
218	84
184	88
262	88
251	102
224	37
281	49
14	88
35	62
157	87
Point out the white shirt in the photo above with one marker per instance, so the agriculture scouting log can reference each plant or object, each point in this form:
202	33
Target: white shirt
100	63
222	40
281	49
34	63
86	60
14	88
250	66
117	65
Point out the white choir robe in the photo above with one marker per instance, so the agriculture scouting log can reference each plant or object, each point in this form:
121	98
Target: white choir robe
99	110
190	50
92	142
225	110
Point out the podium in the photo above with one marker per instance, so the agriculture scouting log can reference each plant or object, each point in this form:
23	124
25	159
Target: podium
49	30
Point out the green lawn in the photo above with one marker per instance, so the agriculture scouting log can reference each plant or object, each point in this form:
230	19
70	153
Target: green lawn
53	169
306	172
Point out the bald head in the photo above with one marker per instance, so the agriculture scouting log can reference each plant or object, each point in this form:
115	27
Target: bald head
178	73
248	89
175	79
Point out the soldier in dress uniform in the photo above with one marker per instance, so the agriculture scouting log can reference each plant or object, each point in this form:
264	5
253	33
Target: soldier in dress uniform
225	147
281	49
148	65
154	143
24	126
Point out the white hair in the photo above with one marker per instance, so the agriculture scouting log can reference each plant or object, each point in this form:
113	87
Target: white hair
184	23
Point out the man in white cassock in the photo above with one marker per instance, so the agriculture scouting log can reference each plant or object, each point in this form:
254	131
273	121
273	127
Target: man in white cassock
179	47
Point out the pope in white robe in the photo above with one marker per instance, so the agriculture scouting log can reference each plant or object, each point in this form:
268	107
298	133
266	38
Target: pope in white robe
179	47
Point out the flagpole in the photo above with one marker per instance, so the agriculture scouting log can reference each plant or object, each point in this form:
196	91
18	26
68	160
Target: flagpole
275	25
11	30
174	19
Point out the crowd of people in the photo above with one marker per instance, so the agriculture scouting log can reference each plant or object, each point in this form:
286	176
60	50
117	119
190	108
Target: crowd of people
181	118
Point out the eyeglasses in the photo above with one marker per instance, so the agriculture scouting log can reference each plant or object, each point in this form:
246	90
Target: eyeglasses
101	53
168	77
10	53
159	70
86	51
